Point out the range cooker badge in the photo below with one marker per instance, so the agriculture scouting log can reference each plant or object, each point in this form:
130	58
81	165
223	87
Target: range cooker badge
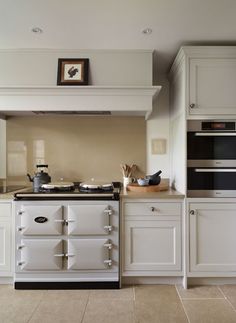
41	219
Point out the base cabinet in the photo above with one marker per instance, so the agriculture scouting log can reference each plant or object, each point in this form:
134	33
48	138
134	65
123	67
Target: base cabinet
5	239
152	238
212	238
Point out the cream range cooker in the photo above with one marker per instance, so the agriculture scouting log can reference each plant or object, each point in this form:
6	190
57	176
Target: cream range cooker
67	239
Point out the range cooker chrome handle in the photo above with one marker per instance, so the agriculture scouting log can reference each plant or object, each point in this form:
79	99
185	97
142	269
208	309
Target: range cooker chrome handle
20	263
215	170
108	262
215	134
108	245
108	212
19	247
69	255
108	228
20	228
59	255
20	212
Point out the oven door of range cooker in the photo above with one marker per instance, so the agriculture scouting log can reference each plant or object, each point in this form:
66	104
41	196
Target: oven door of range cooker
41	254
89	254
40	220
89	219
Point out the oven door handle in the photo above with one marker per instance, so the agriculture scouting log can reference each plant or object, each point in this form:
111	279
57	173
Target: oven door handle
215	134
215	170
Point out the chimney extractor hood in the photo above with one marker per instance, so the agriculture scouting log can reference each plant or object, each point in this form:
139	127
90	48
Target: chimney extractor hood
81	100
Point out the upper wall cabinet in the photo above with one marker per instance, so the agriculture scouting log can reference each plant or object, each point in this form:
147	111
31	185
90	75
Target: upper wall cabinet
208	76
212	84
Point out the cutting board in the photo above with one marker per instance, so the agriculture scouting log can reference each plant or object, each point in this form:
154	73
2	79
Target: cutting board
134	187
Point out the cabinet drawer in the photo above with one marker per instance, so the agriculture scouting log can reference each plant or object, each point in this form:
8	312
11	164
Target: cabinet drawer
5	209
152	208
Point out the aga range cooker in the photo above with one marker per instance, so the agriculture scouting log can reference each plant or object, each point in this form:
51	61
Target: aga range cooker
67	239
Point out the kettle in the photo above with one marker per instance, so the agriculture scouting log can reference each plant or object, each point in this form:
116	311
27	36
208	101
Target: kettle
41	177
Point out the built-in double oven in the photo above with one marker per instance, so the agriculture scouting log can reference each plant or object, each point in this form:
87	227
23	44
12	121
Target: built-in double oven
211	158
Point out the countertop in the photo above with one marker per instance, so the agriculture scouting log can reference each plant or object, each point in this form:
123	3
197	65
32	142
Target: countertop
170	194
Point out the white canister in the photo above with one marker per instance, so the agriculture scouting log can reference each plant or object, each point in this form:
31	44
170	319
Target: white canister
127	181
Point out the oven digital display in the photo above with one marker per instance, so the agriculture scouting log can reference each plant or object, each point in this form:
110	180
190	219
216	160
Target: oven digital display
218	125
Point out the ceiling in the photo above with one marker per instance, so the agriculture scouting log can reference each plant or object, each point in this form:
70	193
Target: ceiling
109	24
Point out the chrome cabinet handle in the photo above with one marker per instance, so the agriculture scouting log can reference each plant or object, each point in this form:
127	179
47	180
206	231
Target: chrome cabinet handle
60	221
192	105
59	255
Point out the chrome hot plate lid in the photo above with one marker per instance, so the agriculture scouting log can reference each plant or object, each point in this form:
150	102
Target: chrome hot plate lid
78	191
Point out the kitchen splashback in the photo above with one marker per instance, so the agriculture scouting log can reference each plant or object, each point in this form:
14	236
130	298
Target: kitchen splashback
75	148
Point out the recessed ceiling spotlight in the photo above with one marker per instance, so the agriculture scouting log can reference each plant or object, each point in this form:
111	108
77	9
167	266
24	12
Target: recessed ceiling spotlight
147	31
37	30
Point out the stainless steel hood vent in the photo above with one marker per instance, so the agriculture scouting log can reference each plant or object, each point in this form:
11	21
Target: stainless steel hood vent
80	113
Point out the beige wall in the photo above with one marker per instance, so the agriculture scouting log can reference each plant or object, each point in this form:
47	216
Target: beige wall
76	148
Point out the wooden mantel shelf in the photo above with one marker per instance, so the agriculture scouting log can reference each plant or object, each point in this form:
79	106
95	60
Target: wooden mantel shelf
135	100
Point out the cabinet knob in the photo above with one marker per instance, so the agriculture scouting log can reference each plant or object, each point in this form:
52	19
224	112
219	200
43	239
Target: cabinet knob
192	105
192	212
152	208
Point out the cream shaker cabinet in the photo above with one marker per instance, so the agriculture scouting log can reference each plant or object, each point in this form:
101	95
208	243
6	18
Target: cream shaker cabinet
212	238
152	238
5	239
212	84
2	149
202	82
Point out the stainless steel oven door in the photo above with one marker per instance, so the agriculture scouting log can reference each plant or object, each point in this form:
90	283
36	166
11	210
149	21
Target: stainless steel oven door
211	146
211	182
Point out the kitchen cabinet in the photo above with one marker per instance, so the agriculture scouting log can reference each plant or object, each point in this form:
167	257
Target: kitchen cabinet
212	238
212	86
202	82
152	238
2	149
5	239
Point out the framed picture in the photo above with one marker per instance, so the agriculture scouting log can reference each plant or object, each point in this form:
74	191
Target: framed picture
72	71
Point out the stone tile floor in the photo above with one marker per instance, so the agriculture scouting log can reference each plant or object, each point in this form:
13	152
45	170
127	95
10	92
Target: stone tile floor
133	304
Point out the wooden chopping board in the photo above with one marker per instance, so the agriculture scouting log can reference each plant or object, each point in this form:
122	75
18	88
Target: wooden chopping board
134	187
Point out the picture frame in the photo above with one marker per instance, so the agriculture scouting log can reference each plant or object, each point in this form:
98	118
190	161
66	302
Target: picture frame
72	71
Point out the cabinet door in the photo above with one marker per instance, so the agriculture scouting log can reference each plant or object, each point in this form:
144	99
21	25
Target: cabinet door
212	86
5	245
212	237
152	245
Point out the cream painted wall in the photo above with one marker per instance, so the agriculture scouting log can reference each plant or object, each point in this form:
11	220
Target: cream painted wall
75	148
158	128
